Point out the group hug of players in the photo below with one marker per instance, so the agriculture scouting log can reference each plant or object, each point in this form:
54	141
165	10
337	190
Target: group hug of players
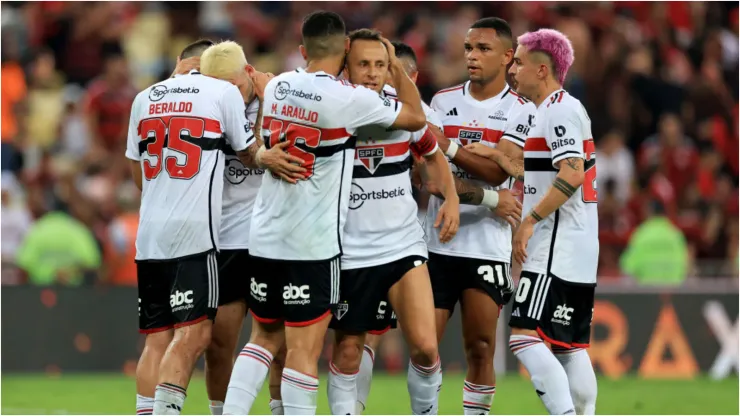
291	196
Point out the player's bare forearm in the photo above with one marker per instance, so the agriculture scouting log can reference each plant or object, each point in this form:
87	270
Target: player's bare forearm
437	163
566	184
248	156
136	173
467	193
511	159
480	167
257	128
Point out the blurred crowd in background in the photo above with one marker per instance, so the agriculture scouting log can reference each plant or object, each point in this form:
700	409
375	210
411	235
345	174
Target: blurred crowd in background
659	80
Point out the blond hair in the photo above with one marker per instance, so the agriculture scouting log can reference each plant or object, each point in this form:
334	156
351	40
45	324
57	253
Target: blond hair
223	60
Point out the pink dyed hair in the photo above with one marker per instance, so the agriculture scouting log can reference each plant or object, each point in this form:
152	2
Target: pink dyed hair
553	43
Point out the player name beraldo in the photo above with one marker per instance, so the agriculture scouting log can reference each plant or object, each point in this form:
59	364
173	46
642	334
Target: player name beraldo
164	108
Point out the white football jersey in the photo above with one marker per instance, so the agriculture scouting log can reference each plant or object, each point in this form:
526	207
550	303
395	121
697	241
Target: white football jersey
240	190
565	244
319	115
382	224
507	116
177	131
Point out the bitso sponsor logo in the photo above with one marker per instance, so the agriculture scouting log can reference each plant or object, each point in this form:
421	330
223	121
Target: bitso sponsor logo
562	142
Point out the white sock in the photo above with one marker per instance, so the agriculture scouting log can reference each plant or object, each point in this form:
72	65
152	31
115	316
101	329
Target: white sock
144	405
581	378
300	392
276	407
216	407
247	377
168	399
342	391
477	398
364	379
548	376
424	384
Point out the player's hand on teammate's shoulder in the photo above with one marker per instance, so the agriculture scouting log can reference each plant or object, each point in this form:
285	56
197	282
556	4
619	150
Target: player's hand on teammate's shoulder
449	219
280	162
260	80
509	207
186	65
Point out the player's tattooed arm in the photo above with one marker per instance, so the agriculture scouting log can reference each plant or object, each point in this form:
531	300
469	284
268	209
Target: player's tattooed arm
569	178
480	167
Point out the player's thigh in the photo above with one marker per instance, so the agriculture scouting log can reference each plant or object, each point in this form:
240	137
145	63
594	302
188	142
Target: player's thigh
413	302
194	291
446	286
154	281
363	301
234	267
487	288
265	297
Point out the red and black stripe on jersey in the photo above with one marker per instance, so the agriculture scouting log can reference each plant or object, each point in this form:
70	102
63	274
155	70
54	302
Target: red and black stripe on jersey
371	157
468	135
205	143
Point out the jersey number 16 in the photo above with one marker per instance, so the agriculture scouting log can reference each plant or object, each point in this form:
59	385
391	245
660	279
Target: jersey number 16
295	133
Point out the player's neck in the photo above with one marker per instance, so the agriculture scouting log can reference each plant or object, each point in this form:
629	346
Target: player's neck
482	92
545	92
331	66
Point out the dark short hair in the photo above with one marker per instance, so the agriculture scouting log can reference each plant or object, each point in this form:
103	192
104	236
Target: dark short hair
196	48
501	26
404	51
322	32
364	34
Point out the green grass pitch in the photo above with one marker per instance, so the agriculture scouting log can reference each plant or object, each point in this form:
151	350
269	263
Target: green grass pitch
114	394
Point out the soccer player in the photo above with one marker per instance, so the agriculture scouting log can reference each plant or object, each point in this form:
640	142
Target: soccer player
240	190
384	256
557	243
296	233
474	269
177	130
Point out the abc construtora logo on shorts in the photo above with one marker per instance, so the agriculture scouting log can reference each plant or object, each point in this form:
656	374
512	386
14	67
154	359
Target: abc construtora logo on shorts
283	90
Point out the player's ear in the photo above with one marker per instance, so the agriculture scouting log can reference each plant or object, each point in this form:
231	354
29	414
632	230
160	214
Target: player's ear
414	76
346	45
250	69
302	50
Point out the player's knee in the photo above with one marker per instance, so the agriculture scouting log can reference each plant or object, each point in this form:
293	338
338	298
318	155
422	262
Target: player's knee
426	353
195	338
479	352
584	395
348	355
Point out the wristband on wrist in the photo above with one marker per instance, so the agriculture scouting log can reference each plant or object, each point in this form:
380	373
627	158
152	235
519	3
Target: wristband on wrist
490	199
258	155
452	150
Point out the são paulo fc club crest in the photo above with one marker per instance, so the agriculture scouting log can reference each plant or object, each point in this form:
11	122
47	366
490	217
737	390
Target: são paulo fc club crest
341	310
371	158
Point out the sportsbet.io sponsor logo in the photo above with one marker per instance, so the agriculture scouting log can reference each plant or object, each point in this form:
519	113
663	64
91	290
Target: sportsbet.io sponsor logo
159	91
283	90
358	196
236	172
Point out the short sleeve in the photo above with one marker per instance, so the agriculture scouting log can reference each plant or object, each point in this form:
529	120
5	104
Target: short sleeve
234	116
367	107
565	135
433	117
133	139
519	123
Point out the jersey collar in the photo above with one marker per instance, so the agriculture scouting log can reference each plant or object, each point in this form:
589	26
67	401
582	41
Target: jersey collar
555	96
485	103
